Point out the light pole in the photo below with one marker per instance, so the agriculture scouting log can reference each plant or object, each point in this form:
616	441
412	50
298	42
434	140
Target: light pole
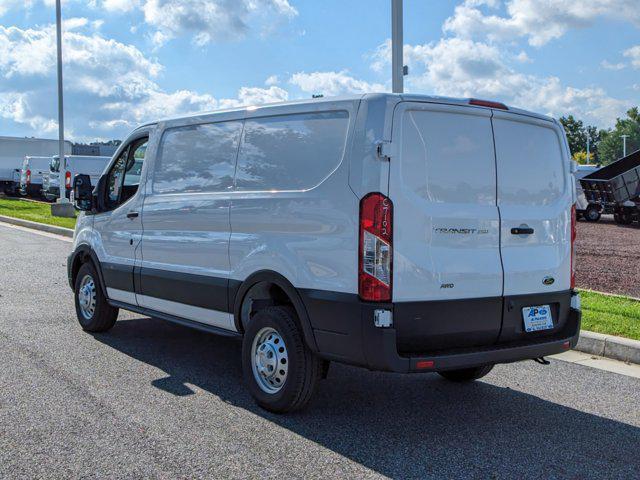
62	169
624	145
588	156
397	66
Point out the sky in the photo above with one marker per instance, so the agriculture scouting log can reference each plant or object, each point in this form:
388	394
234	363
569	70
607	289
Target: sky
127	62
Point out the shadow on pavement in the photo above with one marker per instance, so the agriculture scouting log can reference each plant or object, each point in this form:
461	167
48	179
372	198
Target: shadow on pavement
402	425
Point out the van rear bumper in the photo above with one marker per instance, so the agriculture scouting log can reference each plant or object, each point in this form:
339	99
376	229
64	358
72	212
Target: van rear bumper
344	331
473	357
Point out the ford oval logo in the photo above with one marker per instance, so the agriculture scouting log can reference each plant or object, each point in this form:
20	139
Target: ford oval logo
548	280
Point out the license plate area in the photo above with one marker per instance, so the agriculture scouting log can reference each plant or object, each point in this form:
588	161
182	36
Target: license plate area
537	318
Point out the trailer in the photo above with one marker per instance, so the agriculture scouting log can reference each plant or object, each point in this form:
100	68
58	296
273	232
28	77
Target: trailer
616	187
584	209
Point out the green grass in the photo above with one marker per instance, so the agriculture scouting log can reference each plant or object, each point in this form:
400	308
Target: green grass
613	315
34	211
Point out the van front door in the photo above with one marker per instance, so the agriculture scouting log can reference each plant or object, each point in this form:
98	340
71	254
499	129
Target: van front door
185	246
119	228
447	275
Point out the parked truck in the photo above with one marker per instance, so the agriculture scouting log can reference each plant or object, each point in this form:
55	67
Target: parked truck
616	187
12	153
73	165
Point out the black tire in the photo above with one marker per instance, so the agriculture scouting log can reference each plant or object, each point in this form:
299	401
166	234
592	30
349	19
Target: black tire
104	316
625	218
466	374
592	214
304	368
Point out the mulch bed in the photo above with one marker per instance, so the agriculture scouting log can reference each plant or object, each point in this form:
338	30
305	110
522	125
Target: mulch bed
608	257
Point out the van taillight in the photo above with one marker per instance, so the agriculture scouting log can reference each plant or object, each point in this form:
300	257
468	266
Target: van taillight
67	179
375	261
28	176
573	246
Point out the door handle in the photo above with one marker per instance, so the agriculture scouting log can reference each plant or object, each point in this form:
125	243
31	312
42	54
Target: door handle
524	230
132	214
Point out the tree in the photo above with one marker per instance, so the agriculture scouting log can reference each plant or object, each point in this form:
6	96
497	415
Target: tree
576	134
610	147
581	158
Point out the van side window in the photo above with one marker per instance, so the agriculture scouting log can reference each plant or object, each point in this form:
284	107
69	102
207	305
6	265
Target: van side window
124	177
197	158
291	152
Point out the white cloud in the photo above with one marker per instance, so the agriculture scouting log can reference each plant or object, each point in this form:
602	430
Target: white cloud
6	5
612	66
205	21
333	83
272	80
257	95
634	54
110	87
464	68
522	57
120	5
15	106
538	21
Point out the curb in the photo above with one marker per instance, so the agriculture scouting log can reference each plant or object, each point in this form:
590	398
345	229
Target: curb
609	346
66	232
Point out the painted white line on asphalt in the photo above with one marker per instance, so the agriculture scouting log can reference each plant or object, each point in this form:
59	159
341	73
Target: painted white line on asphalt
601	363
37	232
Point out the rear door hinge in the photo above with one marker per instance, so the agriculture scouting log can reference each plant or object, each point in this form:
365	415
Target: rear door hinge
384	150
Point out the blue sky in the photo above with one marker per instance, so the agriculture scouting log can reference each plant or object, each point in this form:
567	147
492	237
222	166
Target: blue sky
129	61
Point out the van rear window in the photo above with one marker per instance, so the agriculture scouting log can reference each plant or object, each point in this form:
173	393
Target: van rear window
291	152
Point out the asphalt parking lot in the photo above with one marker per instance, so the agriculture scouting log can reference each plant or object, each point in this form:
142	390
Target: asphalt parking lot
153	400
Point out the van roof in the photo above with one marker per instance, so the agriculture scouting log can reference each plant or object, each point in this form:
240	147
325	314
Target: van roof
351	98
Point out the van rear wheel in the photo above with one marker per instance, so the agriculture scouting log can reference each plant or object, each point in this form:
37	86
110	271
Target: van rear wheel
466	374
92	309
279	369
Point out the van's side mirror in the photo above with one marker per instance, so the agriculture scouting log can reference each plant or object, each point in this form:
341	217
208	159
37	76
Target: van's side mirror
82	192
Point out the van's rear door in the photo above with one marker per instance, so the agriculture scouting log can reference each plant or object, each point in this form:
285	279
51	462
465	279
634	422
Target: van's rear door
447	275
534	199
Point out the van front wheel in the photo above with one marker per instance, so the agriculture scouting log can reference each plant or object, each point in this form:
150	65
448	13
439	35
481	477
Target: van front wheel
92	309
466	374
279	370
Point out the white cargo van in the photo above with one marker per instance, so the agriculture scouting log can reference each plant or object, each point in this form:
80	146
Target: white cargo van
73	165
33	168
399	233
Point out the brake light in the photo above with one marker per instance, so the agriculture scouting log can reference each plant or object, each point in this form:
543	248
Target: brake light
375	252
67	179
28	177
573	246
487	103
422	364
